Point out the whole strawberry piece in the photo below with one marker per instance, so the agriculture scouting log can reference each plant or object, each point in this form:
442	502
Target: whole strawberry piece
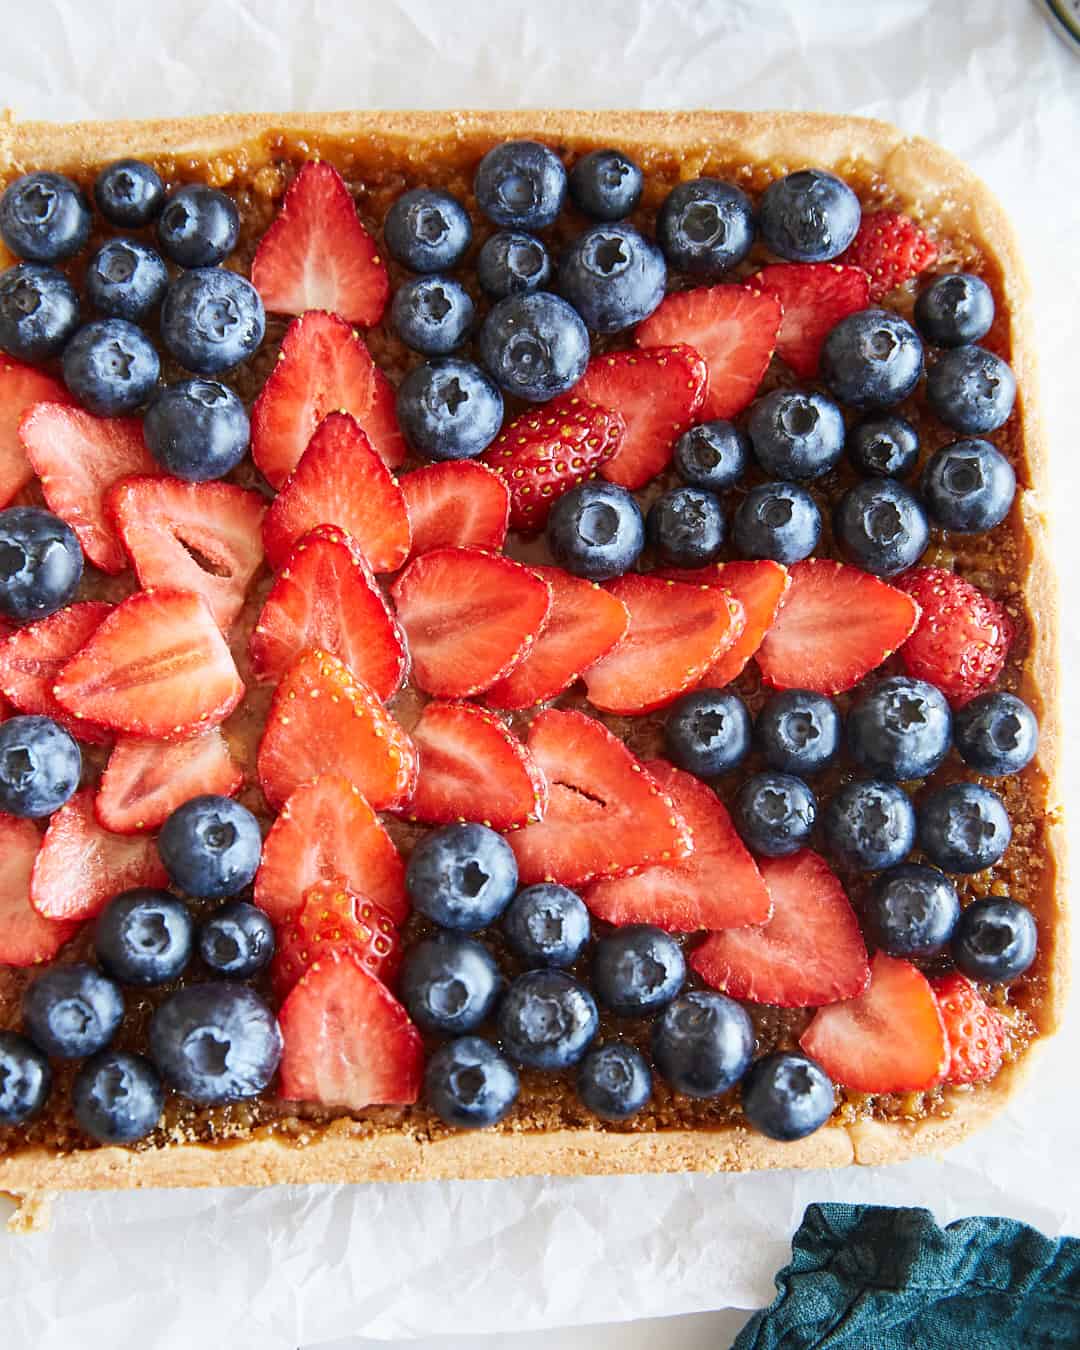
891	249
962	637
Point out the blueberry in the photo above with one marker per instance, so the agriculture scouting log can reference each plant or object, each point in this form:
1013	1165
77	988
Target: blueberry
707	732
39	311
963	827
432	314
968	487
41	563
995	940
197	430
780	521
637	969
547	925
25	1079
971	390
870	825
469	1084
198	226
237	940
40	764
596	531
535	346
427	230
712	455
881	526
900	729
117	1097
796	435
462	876
129	192
613	276
809	216
996	733
511	263
872	359
954	309
774	813
686	527
787	1096
144	937
449	983
44	217
111	367
449	409
547	1020
216	1043
212	320
705	227
614	1080
702	1043
884	446
126	279
520	184
605	184
211	847
798	731
912	911
72	1011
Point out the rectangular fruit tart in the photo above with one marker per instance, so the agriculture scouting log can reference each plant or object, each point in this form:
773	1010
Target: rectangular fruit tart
528	646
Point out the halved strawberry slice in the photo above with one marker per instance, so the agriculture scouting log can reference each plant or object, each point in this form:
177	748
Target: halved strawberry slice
317	255
889	1039
676	633
606	815
31	658
974	1031
717	886
80	866
348	1041
455	504
735	331
584	624
157	667
327	832
472	767
324	720
341	481
332	918
322	367
78	458
26	939
145	781
962	637
659	394
809	953
470	617
201	537
815	297
325	596
891	248
20	387
836	625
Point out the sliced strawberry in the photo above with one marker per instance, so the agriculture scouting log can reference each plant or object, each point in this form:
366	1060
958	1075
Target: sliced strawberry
470	618
892	249
26	939
889	1039
814	297
20	387
584	624
677	632
836	625
80	866
31	658
325	596
323	367
201	537
760	588
733	328
658	394
145	781
327	832
809	953
317	254
717	886
331	918
78	458
472	767
157	667
455	504
546	451
606	815
962	637
341	481
324	720
348	1041
974	1031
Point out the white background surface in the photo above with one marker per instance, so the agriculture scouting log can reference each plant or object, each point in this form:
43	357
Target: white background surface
340	1269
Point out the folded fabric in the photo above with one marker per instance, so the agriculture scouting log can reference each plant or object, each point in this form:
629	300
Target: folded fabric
866	1277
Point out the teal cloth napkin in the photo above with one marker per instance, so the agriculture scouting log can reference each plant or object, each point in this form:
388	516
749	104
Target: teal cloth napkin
866	1277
